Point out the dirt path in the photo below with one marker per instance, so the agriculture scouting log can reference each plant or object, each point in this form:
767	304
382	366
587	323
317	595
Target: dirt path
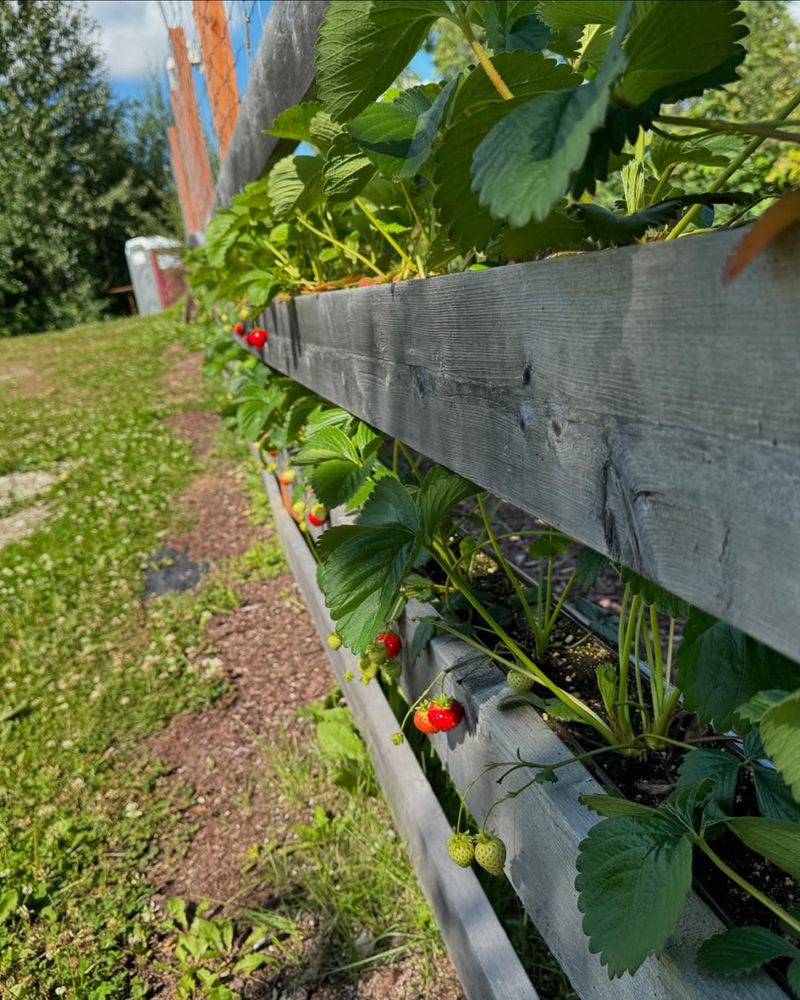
273	658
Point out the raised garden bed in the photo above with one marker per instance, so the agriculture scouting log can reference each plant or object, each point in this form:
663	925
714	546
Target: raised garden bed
542	828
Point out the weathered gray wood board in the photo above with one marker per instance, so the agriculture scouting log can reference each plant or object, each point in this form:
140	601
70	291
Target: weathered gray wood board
543	827
487	965
282	74
626	397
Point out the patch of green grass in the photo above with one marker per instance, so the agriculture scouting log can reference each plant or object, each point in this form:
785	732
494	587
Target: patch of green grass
87	669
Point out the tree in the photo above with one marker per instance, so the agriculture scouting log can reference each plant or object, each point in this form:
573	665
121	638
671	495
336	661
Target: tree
74	189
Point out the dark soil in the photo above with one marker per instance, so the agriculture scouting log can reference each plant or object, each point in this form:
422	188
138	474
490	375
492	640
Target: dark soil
649	777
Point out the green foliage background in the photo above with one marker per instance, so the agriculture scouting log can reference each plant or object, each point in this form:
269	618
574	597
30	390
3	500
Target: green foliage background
80	173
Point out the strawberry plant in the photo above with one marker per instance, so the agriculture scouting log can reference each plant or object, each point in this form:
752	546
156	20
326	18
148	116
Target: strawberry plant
568	132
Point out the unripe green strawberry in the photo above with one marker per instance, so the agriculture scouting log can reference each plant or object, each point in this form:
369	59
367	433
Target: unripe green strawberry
392	669
334	640
348	675
519	681
299	507
398	739
377	653
490	853
367	668
461	849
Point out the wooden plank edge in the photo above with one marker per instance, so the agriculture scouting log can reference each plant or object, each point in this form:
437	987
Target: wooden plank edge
689	498
487	965
543	828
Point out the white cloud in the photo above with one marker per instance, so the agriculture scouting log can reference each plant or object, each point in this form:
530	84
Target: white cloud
132	34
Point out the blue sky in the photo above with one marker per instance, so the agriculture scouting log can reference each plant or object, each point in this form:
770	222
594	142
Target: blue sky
132	34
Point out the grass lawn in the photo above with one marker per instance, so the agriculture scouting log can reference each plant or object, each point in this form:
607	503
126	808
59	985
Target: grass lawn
88	671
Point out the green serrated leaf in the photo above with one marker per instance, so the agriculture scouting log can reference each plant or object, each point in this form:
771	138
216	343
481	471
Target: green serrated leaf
558	231
441	490
712	151
295	122
513	25
338	740
651	593
364	45
576	13
614	805
740	950
391	503
757	707
476	109
337	480
777	840
634	873
522	168
589	566
675	44
398	136
718	766
423	634
549	544
774	797
780	732
347	170
295	184
360	572
608	686
720	668
326	443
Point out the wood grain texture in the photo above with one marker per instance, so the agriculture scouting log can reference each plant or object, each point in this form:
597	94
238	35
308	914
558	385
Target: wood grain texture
282	74
487	965
543	827
626	397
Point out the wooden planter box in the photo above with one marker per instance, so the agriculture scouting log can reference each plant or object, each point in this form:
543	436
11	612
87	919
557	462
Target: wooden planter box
542	828
486	964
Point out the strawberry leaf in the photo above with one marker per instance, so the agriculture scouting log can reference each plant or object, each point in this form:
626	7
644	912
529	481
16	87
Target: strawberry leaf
441	490
676	49
364	45
780	731
774	797
524	165
295	122
720	668
740	950
634	873
576	13
717	766
651	593
777	840
360	572
477	108
295	184
398	136
513	25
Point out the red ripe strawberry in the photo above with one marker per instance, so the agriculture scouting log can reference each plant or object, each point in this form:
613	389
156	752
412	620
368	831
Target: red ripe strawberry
257	337
445	713
391	643
318	515
421	719
238	329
